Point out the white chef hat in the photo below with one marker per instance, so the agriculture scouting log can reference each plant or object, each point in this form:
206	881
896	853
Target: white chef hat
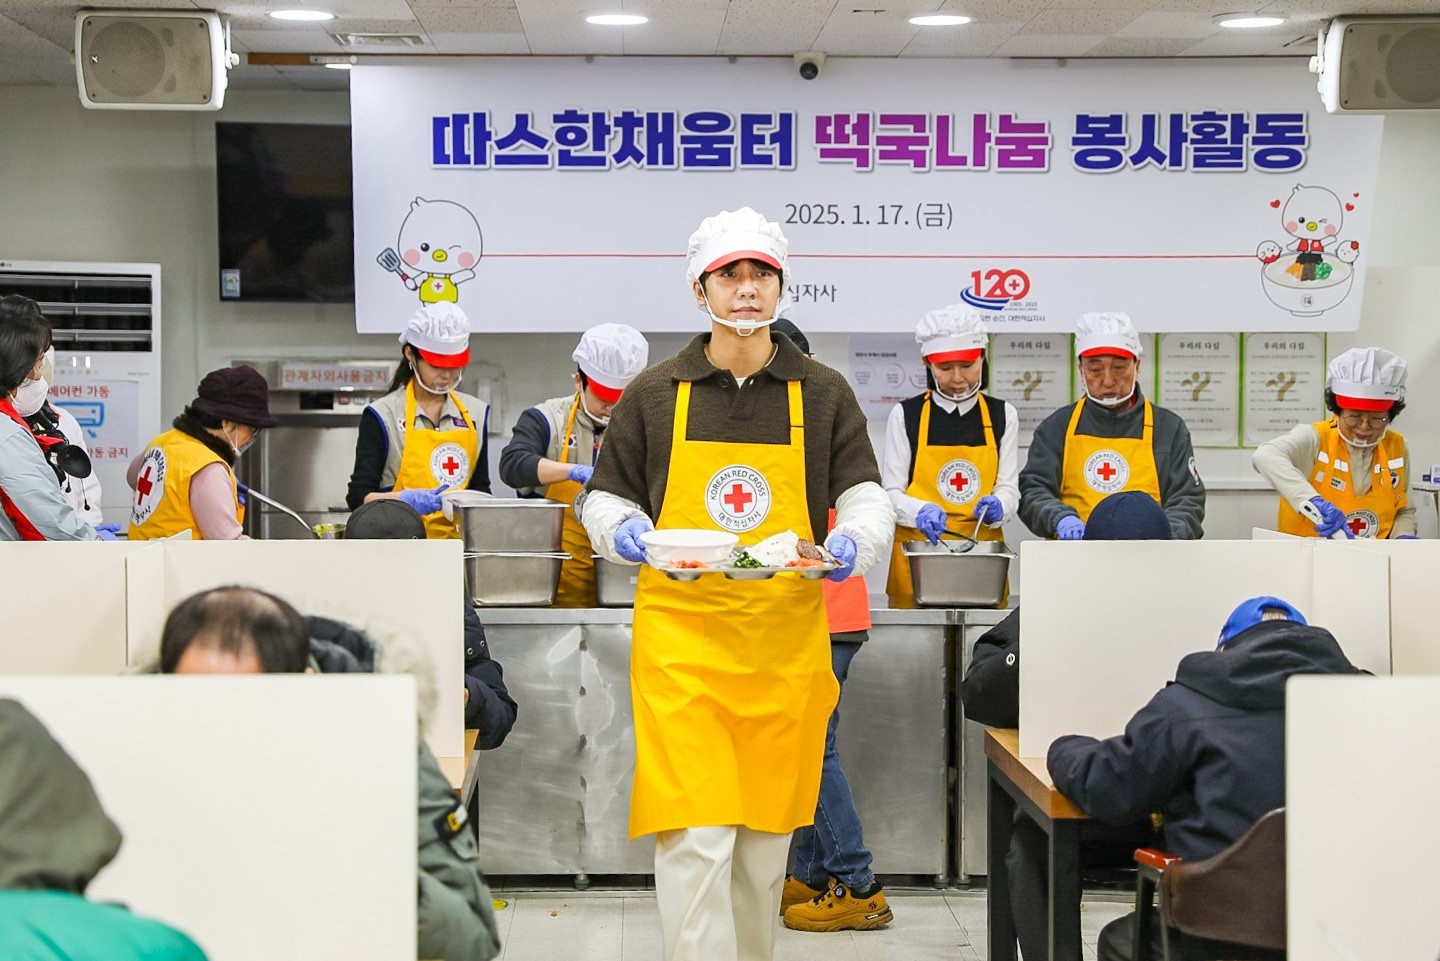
610	356
733	235
1367	378
441	333
951	333
1106	332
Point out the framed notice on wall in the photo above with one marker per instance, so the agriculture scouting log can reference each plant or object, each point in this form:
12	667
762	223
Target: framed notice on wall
1198	377
1284	384
1032	372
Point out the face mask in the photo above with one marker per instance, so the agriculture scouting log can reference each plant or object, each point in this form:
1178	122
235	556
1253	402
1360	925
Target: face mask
742	327
595	418
974	389
1363	445
239	450
29	397
1111	403
431	390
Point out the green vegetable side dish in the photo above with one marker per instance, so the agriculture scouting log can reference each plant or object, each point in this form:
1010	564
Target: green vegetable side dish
743	559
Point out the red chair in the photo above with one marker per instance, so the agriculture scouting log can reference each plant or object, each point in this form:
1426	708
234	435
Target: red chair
1236	898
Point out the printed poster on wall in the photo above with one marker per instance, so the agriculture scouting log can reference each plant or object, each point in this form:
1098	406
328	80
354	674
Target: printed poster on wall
884	370
554	193
1284	384
1199	379
1032	372
108	411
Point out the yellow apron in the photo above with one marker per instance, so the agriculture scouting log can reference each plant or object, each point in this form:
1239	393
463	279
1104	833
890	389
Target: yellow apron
731	680
1372	515
1093	468
434	457
577	575
162	489
953	476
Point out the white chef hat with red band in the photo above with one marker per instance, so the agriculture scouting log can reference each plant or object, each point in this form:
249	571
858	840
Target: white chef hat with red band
611	356
1106	332
441	333
951	333
1367	378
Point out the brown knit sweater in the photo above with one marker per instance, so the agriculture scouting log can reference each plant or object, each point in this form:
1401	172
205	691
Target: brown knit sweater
635	461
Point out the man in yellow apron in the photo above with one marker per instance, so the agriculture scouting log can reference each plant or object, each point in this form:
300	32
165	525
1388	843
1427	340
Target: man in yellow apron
1113	439
731	680
424	436
952	453
1349	474
554	444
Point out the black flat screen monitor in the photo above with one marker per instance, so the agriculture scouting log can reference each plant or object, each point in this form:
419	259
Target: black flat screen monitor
286	218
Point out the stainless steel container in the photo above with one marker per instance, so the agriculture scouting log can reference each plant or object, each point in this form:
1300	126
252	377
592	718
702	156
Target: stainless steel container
514	524
513	578
615	583
975	578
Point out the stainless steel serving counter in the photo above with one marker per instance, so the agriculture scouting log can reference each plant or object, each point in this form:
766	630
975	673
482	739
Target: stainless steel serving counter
555	798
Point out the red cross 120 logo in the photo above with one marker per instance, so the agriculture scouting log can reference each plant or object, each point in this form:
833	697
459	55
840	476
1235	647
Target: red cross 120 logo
1362	523
959	482
450	465
149	486
1106	471
738	498
993	289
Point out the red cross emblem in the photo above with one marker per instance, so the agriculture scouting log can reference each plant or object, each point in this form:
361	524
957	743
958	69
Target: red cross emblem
738	499
1357	525
959	481
1106	471
143	485
451	465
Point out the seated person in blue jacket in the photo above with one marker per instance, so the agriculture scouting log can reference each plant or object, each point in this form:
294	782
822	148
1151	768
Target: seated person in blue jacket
240	630
54	839
1207	753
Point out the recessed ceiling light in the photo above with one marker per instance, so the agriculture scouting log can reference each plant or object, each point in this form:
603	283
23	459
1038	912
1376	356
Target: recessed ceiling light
338	66
1246	21
616	19
939	20
308	16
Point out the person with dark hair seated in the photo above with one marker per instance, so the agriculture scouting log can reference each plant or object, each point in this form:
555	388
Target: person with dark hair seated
54	839
185	479
1207	753
240	630
1349	474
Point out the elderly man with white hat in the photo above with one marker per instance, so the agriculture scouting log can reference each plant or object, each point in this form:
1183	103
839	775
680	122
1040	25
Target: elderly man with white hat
731	680
554	445
1347	475
952	453
1113	439
424	436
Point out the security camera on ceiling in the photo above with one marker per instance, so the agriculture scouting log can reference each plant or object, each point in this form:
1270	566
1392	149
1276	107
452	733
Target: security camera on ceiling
808	63
152	59
1379	64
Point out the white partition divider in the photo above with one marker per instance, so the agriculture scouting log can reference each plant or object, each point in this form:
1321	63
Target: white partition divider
409	594
1414	602
64	607
267	817
1360	852
1106	622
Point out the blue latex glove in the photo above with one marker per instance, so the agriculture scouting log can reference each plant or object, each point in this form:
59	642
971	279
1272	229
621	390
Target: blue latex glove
240	491
627	539
108	528
1070	528
930	521
424	502
1406	537
581	474
843	548
989	510
106	535
1332	518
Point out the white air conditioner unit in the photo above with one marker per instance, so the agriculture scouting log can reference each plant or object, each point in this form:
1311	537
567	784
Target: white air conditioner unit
1379	64
152	59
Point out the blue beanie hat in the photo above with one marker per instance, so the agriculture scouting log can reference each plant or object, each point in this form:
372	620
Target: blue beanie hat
1127	516
1252	612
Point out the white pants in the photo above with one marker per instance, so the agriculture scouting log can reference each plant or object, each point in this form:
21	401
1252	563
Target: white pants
719	892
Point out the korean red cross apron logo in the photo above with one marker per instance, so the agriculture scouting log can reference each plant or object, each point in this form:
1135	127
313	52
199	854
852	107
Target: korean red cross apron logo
738	498
1106	471
959	482
1362	523
450	464
149	486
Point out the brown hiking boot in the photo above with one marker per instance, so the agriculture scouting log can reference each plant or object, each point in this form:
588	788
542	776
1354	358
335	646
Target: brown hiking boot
839	910
798	892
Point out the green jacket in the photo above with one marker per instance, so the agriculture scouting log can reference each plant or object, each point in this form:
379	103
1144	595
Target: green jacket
456	919
59	926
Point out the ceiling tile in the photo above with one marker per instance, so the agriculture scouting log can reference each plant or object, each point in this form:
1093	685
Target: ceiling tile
1190	26
1041	45
481	43
287	41
1140	47
694	33
443	18
971	40
1079	21
1241	44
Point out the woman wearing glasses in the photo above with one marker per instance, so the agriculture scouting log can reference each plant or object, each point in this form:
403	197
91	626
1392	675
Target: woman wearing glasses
1347	475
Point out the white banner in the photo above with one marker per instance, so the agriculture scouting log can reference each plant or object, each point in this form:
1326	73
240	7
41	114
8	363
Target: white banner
552	194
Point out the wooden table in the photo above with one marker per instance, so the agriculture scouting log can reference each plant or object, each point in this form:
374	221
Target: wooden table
1024	782
461	770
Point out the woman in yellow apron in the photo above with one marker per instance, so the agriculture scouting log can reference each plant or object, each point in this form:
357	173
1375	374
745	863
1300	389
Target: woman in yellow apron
553	447
185	480
1347	475
424	436
951	454
731	681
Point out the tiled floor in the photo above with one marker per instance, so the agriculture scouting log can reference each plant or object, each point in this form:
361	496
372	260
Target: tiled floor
624	926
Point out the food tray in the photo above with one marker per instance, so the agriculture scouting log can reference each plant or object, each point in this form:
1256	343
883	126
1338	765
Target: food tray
750	573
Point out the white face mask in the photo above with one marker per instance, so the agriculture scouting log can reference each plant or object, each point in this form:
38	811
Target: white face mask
742	327
1111	403
237	449
1361	444
431	390
974	389
29	397
595	418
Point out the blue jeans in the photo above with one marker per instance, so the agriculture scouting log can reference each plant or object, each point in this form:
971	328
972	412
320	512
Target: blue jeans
834	846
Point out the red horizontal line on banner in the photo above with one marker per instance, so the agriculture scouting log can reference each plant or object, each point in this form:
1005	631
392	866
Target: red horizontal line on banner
903	256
